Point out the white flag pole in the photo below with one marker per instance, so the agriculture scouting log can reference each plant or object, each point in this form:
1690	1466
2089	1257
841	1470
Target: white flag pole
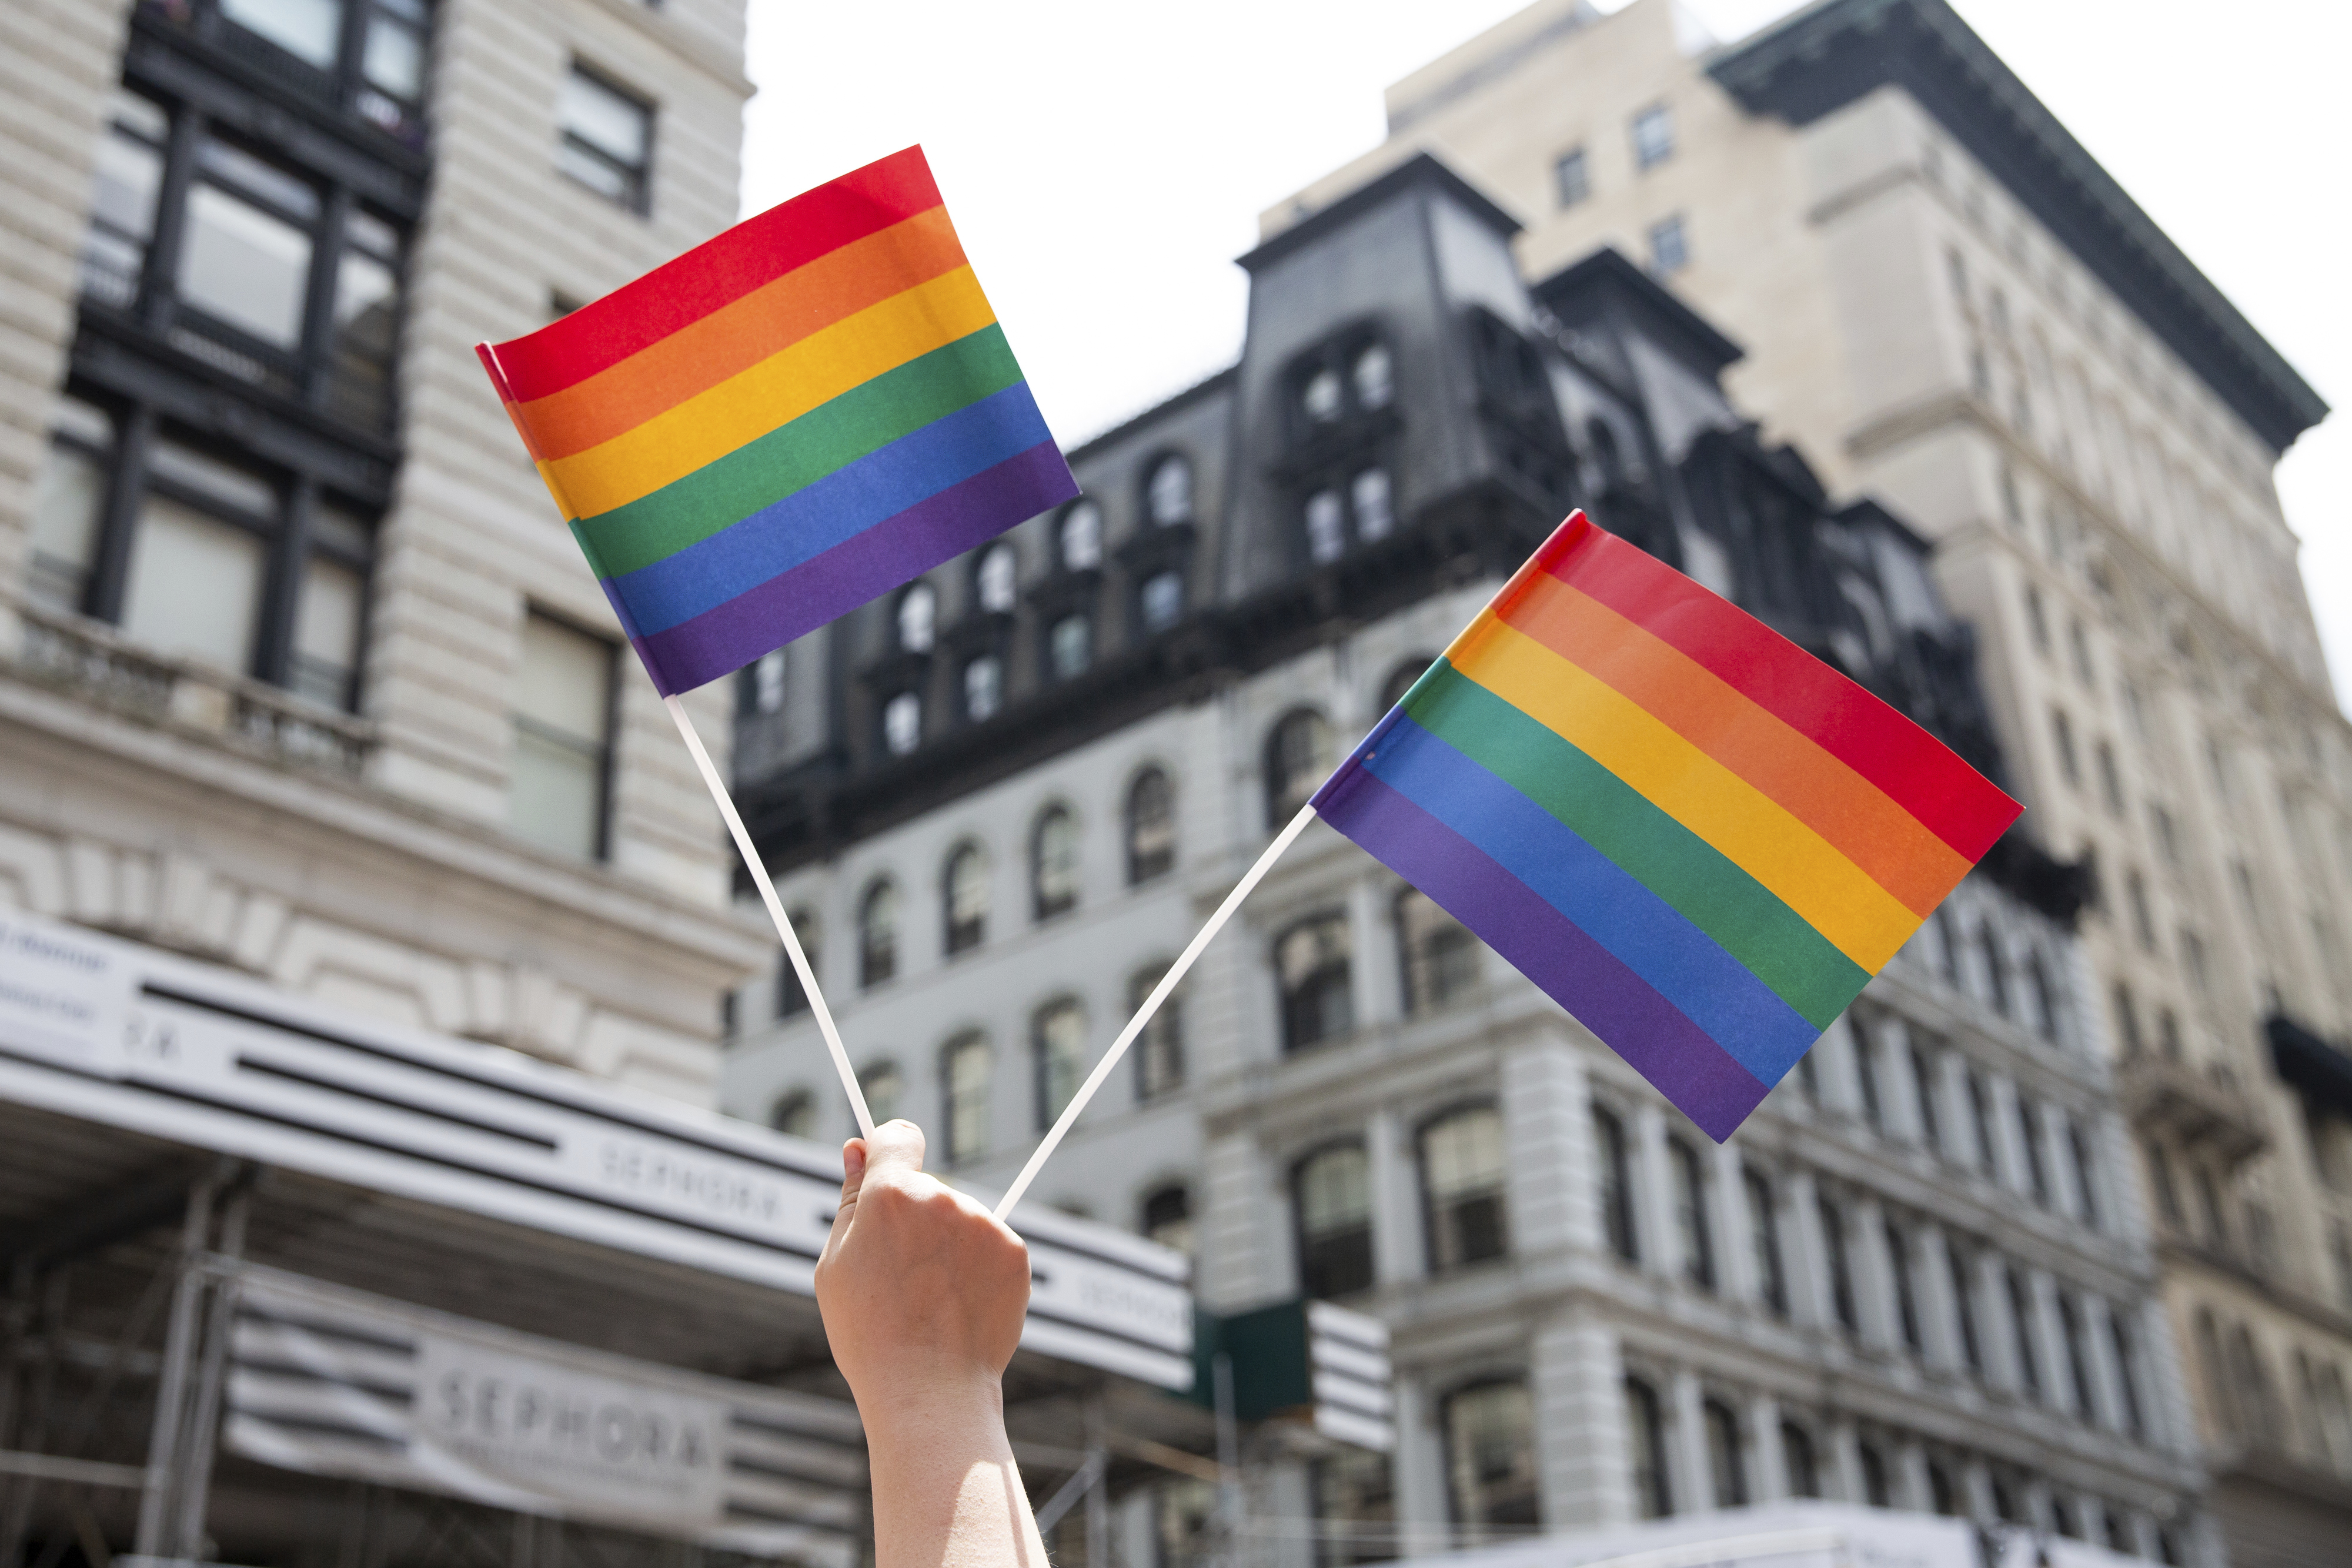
775	913
1250	879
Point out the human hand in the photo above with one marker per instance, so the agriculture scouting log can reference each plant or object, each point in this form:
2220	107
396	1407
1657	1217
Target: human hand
921	1289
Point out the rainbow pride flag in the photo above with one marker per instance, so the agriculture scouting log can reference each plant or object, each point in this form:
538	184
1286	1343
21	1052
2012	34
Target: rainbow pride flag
787	421
1698	838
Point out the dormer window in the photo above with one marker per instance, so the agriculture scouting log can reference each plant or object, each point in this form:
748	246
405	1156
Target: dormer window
1375	377
997	581
1321	400
1168	496
1081	538
918	619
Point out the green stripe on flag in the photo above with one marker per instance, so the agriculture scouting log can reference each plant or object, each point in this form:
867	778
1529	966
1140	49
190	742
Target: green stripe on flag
1772	941
795	455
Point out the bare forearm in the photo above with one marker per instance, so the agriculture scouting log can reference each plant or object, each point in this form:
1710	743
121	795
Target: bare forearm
947	1490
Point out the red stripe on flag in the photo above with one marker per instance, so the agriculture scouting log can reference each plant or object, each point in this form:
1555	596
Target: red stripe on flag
1916	770
717	273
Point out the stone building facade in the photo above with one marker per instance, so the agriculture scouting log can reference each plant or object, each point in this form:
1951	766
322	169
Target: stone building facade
1948	304
299	671
1001	801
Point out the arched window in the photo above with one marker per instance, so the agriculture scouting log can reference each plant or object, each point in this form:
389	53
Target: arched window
1311	965
1159	1049
791	999
884	1088
1375	377
1058	1055
1168	496
1490	1459
1764	1241
1070	646
1325	516
1691	1224
1054	863
963	1097
1615	1188
1297	759
964	896
1645	1446
1332	1193
1725	1471
996	580
1167	1218
983	688
794	1114
1150	826
1797	1454
918	618
1462	1171
1402	678
877	933
1321	400
902	724
1159	601
1369	495
1439	956
1079	536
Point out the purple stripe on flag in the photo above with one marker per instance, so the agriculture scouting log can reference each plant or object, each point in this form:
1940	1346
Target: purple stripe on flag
865	566
1661	1044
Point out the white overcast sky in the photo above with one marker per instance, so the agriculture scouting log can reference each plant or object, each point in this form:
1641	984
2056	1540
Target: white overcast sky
1107	161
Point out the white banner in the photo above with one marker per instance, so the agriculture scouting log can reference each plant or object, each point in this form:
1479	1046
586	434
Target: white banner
335	1381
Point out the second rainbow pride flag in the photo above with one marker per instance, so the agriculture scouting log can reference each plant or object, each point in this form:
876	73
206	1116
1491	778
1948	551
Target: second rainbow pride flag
1698	838
782	423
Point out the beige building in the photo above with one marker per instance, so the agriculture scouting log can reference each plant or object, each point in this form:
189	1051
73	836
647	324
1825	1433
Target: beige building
1948	304
299	671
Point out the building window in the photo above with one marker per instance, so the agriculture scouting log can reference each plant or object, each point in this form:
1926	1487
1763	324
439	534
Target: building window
605	138
1440	957
1797	1454
1572	178
878	934
1374	373
1462	1170
1690	1228
1616	1191
963	1097
794	1115
763	683
902	724
1070	646
1669	246
983	688
1333	1191
885	1088
964	893
1151	827
1645	1448
2021	1320
1907	1299
1311	966
1080	536
1654	137
1054	863
1161	599
1167	1218
1298	759
1058	1040
996	580
1764	1240
1159	1049
563	733
1490	1459
1168	495
918	618
792	997
1724	1469
1841	1268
